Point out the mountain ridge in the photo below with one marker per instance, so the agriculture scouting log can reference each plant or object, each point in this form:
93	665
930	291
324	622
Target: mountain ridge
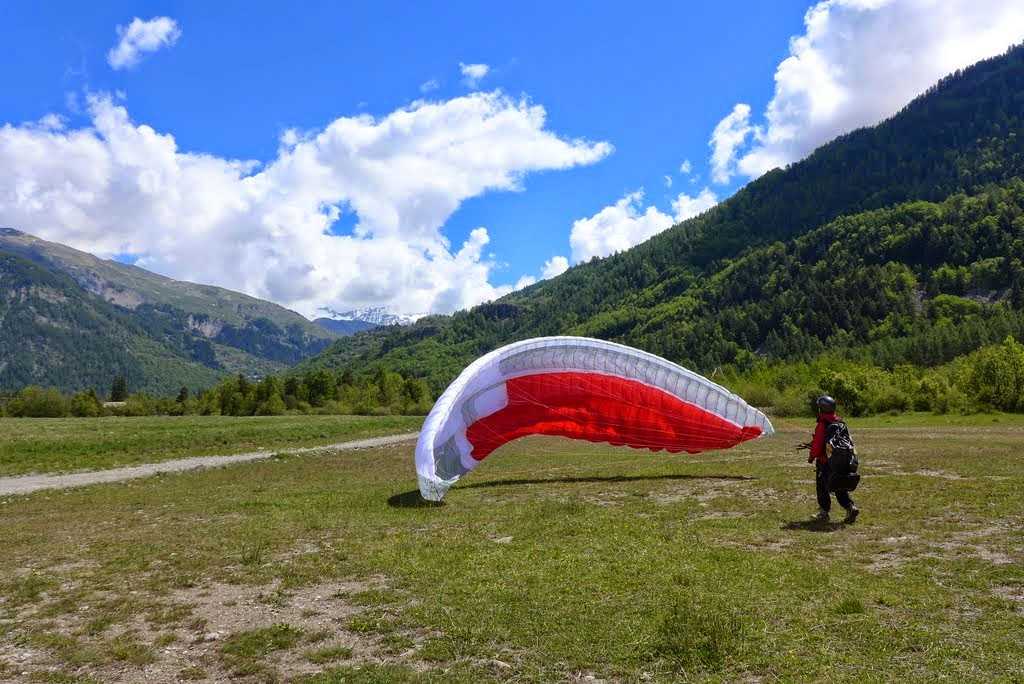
93	273
375	315
55	333
196	325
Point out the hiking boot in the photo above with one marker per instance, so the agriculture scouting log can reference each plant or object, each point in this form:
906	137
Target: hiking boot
821	515
851	514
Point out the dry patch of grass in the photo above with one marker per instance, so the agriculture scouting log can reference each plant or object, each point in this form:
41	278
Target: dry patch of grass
223	631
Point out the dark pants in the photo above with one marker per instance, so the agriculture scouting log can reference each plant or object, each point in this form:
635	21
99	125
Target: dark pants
821	485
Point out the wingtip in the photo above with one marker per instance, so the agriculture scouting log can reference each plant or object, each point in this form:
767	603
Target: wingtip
433	490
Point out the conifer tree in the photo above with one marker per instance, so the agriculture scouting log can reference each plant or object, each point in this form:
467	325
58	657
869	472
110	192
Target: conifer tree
119	389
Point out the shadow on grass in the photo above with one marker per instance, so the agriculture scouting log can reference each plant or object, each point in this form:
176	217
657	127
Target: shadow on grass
611	478
814	525
412	499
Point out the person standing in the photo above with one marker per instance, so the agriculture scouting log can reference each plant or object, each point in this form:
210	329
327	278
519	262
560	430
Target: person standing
826	408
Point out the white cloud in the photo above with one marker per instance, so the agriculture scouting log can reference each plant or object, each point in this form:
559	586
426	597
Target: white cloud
626	223
728	135
473	73
684	206
858	62
50	122
140	37
685	167
668	181
524	281
555	266
429	86
123	187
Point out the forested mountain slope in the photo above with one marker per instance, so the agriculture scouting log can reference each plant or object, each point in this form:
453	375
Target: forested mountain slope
235	325
54	333
799	259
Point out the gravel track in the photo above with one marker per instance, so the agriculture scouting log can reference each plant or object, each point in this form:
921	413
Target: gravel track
26	484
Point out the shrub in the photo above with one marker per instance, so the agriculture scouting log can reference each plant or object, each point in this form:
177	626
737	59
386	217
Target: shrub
848	389
139	405
273	406
333	407
755	393
794	402
891	399
996	376
86	405
36	402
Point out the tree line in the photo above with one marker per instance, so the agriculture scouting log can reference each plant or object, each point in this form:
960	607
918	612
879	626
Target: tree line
319	391
988	379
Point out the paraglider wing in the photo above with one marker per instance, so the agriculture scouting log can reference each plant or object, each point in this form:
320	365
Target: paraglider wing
580	388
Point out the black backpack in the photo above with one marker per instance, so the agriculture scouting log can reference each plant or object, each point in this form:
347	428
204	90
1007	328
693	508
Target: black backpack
842	458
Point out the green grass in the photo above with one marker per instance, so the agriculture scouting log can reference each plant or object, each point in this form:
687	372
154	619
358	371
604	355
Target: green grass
245	651
48	445
329	654
554	560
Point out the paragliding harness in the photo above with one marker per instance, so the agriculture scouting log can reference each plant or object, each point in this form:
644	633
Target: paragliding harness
842	458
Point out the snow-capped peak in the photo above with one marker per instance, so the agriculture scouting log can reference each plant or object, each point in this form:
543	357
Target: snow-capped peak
377	315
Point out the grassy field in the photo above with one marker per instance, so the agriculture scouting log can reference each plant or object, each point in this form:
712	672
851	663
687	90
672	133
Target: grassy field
554	561
47	445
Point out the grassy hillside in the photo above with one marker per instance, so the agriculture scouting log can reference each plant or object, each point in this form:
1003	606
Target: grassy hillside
780	269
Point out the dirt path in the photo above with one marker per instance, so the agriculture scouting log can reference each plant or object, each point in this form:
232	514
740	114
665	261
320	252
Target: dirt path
25	484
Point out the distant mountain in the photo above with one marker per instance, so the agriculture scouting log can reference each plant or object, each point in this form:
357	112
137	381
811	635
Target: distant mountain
344	327
377	316
55	333
218	329
783	269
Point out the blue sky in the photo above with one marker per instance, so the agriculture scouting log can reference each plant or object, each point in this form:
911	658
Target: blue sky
656	81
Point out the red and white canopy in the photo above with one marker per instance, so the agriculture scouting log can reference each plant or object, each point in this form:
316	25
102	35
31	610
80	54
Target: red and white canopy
580	388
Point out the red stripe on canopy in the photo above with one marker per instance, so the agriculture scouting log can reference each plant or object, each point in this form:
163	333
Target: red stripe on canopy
603	408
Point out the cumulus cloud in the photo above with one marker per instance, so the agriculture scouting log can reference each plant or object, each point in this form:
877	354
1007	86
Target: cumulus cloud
121	187
555	266
727	137
685	167
472	74
668	181
858	62
429	86
626	223
684	206
140	37
524	281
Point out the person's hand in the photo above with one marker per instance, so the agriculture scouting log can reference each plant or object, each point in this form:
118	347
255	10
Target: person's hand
810	459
